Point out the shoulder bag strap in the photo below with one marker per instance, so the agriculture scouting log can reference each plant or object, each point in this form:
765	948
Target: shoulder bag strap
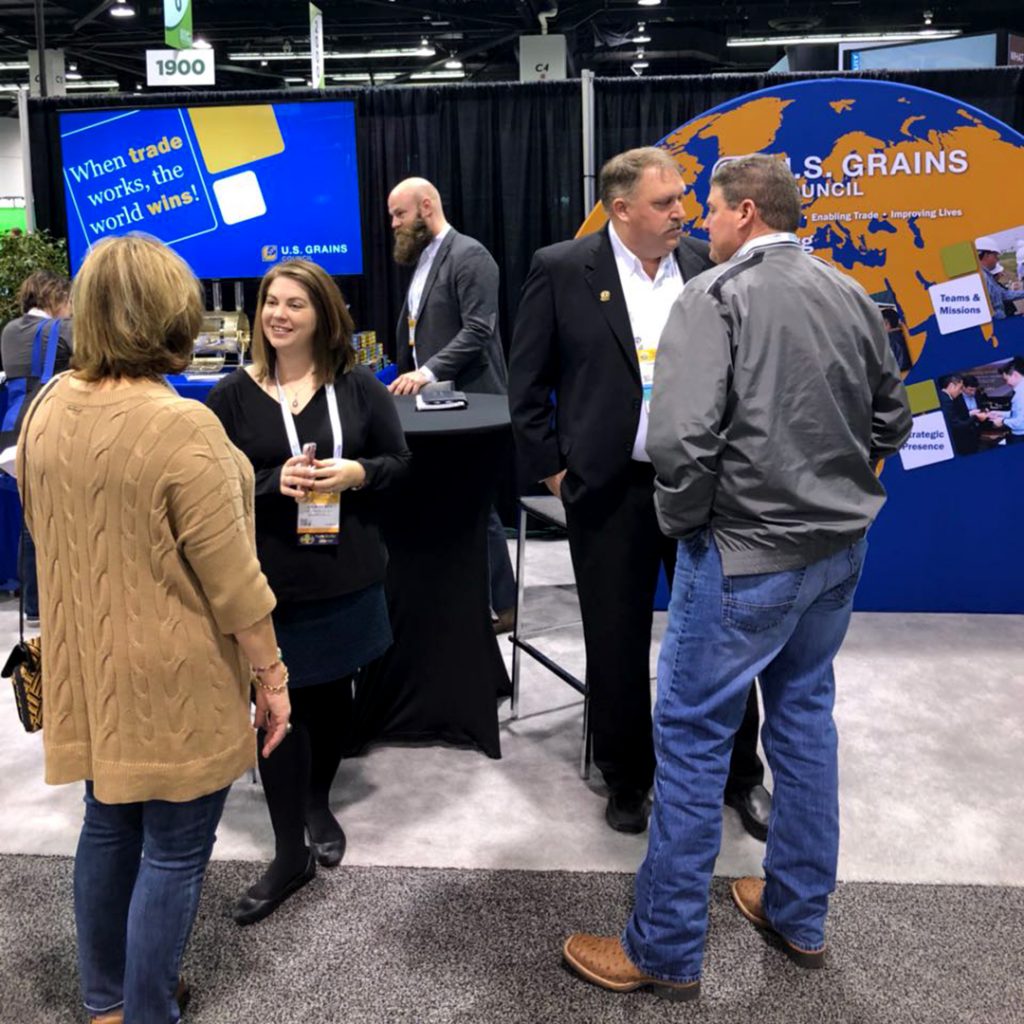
52	344
36	369
24	488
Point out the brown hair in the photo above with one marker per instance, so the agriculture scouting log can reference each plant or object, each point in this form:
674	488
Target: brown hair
138	310
332	336
768	183
45	290
620	175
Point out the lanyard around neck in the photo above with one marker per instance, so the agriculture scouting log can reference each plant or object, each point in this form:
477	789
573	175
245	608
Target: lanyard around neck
289	419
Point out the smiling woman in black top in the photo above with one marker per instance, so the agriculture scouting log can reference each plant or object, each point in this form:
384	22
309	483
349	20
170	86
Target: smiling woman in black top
317	541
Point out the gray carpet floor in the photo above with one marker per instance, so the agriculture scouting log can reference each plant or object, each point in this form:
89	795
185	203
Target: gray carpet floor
363	945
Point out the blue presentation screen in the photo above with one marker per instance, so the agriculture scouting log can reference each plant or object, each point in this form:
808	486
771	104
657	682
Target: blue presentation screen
233	189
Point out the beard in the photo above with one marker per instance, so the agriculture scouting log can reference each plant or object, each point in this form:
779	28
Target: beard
411	241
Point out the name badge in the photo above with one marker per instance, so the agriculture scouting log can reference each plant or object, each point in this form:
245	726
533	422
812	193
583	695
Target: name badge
319	520
645	356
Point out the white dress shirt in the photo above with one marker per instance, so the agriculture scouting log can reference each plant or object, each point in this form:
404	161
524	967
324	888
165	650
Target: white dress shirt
416	286
648	303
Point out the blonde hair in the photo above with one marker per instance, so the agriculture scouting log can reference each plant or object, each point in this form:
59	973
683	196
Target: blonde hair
138	310
332	335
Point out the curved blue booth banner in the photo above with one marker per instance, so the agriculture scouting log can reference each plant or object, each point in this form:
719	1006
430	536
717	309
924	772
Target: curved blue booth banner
908	190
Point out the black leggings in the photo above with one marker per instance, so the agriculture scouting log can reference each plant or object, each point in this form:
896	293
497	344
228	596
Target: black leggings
297	776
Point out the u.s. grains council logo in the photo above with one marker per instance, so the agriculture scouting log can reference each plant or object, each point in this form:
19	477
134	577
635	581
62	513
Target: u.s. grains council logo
269	253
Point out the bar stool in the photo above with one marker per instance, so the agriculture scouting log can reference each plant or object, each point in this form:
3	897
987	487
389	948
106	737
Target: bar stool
548	510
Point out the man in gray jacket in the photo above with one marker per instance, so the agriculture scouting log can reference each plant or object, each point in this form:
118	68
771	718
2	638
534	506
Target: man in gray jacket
448	330
775	397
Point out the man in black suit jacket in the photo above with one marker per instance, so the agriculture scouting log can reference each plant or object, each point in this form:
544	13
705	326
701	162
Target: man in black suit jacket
448	330
964	425
581	368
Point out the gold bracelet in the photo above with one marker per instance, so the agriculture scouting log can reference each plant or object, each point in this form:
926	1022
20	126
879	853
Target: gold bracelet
256	681
266	668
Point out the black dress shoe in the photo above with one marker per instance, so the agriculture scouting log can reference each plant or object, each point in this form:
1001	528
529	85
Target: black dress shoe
329	854
250	909
627	811
754	806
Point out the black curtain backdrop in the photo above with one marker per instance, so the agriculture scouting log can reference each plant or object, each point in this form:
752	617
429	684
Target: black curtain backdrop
506	157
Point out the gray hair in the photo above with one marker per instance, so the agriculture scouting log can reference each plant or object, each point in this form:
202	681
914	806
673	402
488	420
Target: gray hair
620	175
768	183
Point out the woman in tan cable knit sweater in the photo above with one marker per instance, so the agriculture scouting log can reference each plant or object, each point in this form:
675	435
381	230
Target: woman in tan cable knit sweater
153	608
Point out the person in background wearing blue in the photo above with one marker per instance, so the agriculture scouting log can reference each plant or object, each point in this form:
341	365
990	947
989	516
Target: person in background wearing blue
1000	297
44	299
318	542
1013	374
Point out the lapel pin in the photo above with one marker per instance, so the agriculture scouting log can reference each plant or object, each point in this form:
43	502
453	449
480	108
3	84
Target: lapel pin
606	296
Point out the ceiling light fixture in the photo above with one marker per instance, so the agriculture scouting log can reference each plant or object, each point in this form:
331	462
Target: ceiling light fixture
844	37
13	65
649	3
927	15
364	76
407	51
423	76
453	65
641	33
122	9
201	44
96	83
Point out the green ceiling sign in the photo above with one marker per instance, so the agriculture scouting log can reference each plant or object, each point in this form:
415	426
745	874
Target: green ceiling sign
178	24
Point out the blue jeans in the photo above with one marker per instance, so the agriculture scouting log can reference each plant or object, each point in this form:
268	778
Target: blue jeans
138	872
785	627
501	579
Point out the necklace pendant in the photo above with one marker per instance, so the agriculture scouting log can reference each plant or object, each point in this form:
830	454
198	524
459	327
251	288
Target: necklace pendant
295	402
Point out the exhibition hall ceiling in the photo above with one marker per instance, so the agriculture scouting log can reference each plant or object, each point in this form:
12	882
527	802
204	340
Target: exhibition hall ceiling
265	43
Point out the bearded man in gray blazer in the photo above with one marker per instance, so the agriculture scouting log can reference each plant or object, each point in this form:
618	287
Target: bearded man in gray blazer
448	330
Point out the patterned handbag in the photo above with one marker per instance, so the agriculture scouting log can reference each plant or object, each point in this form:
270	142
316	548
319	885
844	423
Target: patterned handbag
24	668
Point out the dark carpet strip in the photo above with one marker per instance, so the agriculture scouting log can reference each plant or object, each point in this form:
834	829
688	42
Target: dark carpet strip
397	946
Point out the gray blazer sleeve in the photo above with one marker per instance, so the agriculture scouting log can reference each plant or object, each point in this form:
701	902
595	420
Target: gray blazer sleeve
684	433
475	280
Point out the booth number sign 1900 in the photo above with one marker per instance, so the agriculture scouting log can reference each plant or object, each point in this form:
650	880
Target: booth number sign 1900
179	67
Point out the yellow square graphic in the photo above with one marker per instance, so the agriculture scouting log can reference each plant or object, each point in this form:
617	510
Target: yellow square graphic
959	259
923	397
231	136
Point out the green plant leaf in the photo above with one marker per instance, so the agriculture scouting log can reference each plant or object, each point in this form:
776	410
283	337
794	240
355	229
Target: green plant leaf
20	255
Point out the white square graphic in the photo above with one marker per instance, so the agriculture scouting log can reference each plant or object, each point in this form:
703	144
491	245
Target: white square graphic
960	303
239	197
928	442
